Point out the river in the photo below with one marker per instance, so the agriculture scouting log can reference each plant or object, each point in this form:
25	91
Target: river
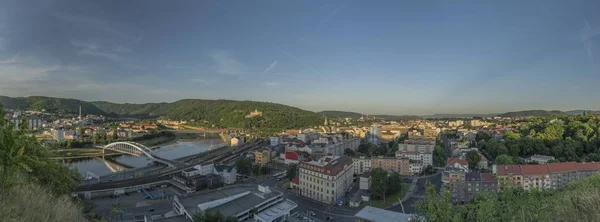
175	150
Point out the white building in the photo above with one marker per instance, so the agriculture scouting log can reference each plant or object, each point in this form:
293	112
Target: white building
541	159
275	140
228	173
302	137
326	179
204	169
365	181
361	164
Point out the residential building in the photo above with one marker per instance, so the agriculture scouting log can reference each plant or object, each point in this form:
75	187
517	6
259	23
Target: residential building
389	136
257	203
326	179
373	214
562	173
458	164
361	164
483	163
541	159
404	166
479	183
415	167
536	176
586	169
365	181
262	157
457	186
228	173
389	164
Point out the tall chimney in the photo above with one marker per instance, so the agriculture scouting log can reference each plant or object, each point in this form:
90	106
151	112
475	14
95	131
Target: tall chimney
79	111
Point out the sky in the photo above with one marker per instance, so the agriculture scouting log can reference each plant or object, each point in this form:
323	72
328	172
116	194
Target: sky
378	57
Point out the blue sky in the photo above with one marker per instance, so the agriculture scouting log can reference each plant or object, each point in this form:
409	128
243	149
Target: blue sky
386	57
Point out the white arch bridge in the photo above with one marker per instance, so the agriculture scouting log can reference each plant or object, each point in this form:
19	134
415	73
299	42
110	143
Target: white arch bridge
137	149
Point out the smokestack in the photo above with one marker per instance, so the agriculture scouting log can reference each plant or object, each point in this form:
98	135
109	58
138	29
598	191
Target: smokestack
79	111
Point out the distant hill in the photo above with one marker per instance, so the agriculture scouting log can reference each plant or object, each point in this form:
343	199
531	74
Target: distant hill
438	116
534	113
580	112
353	115
340	114
50	104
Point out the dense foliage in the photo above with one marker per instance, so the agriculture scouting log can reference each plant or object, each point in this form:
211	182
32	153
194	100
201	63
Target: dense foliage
50	104
567	138
210	216
439	156
574	202
384	183
33	187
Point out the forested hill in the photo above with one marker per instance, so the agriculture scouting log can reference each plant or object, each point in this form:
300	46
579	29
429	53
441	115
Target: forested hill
50	104
540	113
225	113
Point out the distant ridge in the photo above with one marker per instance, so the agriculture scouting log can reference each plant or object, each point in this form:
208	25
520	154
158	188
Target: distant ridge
540	113
353	115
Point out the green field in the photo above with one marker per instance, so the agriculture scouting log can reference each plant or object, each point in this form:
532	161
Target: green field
389	199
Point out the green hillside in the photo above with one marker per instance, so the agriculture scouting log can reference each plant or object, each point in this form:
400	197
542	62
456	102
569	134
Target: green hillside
50	104
540	113
225	113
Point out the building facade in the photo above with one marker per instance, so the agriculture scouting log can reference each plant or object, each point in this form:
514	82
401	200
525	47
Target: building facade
262	157
326	179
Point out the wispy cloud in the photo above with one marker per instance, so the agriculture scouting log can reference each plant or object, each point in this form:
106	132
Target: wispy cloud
271	66
271	83
588	33
106	26
296	58
90	48
226	63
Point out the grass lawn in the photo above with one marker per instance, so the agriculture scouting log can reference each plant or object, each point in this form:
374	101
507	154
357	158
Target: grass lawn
389	199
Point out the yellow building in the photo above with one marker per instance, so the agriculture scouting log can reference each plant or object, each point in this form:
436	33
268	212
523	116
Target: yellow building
262	157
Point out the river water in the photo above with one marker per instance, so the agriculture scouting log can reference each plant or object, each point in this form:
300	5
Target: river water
171	151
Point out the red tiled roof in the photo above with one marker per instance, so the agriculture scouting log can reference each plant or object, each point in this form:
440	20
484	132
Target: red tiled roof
451	161
588	166
291	155
562	167
535	169
509	169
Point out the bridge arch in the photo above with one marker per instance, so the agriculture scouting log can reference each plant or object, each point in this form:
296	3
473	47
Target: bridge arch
136	149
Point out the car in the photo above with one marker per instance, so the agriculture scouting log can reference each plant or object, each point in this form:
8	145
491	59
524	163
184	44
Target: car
151	210
312	213
305	218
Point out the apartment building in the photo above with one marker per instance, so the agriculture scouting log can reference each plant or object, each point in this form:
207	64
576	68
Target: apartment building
326	179
457	186
479	183
361	164
389	164
262	157
544	176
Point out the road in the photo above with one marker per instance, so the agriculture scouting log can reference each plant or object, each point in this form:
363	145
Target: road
419	193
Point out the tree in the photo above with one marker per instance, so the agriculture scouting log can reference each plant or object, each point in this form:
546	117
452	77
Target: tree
291	172
394	183
23	125
436	207
379	183
243	166
439	156
2	115
210	216
349	152
115	135
256	170
473	158
504	160
482	135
